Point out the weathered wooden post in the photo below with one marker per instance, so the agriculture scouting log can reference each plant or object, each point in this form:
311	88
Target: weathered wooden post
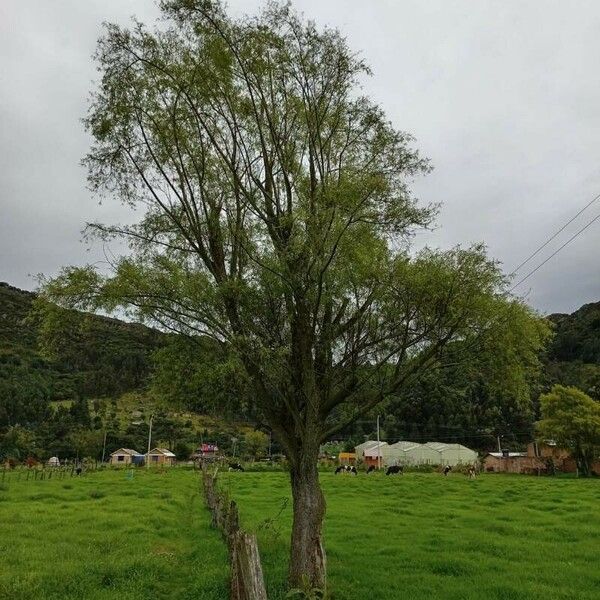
247	582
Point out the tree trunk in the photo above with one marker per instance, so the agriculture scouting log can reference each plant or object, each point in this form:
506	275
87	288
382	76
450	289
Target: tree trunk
584	463
307	557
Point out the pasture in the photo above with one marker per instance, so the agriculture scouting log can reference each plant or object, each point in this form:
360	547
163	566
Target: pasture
425	536
418	536
107	536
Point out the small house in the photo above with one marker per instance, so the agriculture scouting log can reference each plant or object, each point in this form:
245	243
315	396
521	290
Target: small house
374	455
347	458
366	448
160	456
125	456
206	452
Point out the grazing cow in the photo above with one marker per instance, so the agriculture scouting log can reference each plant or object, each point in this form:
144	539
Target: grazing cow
394	470
370	469
353	470
340	469
235	467
447	470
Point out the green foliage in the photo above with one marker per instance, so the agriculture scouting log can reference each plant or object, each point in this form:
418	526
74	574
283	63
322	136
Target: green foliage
198	375
577	336
572	419
256	444
17	444
109	356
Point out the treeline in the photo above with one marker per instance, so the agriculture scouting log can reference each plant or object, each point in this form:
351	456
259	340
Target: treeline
62	373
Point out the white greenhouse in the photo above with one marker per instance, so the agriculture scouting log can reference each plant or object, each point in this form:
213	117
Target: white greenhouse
410	453
453	454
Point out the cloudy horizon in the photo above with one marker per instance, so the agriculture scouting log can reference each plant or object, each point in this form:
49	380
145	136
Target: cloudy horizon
501	96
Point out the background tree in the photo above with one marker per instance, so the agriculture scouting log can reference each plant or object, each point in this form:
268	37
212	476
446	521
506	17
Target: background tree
256	444
572	419
276	220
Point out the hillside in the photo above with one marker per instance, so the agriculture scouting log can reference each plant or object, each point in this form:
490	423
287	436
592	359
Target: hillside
574	353
81	355
67	377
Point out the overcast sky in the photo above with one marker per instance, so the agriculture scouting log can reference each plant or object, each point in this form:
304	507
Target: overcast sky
503	96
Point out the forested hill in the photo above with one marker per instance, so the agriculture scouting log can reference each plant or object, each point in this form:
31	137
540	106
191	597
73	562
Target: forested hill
49	355
88	356
574	354
577	335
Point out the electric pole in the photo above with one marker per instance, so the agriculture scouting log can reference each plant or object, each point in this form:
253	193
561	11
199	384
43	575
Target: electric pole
103	447
149	442
378	446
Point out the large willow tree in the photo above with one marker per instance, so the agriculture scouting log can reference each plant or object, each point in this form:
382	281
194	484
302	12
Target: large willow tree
275	218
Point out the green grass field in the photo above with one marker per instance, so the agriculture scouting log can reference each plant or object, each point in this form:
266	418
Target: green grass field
420	536
423	536
104	536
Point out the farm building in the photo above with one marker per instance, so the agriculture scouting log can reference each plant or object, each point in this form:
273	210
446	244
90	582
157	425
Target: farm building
410	453
541	457
347	458
160	456
206	452
373	454
453	454
369	444
125	456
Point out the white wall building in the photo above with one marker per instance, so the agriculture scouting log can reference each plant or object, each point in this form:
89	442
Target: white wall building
368	445
453	454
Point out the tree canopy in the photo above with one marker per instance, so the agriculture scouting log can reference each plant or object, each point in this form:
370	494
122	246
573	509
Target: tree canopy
276	219
572	419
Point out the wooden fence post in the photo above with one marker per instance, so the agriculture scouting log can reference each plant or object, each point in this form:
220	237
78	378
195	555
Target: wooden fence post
247	581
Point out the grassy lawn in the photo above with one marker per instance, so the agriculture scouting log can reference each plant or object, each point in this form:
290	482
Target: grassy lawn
423	536
105	536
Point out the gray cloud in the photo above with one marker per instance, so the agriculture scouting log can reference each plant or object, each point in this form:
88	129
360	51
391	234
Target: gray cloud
502	96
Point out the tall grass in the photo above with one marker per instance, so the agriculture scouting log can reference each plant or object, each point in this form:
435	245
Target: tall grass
420	536
108	536
425	536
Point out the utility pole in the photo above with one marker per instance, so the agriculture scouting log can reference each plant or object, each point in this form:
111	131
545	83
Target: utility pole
499	445
378	446
103	447
149	442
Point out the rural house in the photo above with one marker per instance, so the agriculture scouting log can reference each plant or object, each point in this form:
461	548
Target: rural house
160	456
125	456
347	458
373	454
539	458
369	444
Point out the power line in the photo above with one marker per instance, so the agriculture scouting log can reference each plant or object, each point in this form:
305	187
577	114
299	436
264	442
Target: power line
555	253
555	234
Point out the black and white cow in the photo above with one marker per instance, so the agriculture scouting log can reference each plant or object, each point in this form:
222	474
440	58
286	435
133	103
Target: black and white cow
395	470
235	467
